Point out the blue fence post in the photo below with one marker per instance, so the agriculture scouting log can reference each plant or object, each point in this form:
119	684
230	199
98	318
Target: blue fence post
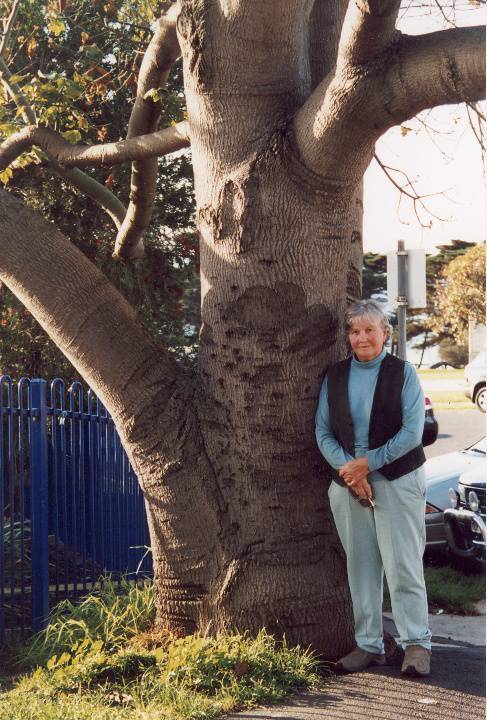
39	505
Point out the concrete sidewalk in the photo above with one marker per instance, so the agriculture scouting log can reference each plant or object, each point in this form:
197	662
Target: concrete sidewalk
460	630
454	691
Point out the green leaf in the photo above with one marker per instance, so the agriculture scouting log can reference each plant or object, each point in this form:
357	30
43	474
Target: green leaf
7	128
56	27
64	658
90	51
16	79
51	663
6	175
72	136
155	94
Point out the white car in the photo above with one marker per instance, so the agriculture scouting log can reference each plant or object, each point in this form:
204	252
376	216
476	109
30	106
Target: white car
442	473
475	373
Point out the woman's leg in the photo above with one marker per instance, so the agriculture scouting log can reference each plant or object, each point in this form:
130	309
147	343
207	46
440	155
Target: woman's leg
400	522
356	529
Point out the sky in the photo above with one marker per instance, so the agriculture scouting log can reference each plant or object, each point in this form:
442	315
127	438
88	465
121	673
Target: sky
443	158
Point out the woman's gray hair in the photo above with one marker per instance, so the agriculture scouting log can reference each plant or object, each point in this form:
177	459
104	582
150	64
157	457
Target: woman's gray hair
367	309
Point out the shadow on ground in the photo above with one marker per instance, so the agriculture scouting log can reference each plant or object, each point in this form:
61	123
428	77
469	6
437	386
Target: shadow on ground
454	691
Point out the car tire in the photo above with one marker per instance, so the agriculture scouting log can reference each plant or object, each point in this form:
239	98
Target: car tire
470	565
480	399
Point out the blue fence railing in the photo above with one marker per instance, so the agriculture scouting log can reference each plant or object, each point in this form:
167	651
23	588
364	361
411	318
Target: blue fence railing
72	508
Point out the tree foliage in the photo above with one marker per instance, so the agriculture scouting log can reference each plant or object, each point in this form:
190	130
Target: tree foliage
374	276
453	353
77	67
460	295
422	326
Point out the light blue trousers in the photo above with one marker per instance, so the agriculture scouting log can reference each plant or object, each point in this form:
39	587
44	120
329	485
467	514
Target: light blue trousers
390	538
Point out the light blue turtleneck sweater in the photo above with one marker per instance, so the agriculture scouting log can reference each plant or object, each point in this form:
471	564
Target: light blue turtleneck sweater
361	388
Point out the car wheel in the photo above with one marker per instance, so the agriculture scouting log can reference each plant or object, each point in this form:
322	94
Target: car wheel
470	565
480	399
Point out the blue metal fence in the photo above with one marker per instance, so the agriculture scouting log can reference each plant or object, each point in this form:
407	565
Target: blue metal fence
72	508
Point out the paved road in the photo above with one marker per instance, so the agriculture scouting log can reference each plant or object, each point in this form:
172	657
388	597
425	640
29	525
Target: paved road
455	691
457	430
432	385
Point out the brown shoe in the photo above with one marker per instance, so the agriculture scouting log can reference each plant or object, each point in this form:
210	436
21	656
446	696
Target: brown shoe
417	661
358	660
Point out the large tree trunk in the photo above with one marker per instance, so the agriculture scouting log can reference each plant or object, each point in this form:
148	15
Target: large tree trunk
280	250
272	237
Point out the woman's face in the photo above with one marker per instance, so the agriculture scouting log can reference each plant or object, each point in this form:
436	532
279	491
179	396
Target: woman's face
367	338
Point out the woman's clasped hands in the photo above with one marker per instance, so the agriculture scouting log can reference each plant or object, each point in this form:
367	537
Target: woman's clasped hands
355	472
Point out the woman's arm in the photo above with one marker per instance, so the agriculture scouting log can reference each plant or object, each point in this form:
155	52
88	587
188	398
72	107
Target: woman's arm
411	432
329	446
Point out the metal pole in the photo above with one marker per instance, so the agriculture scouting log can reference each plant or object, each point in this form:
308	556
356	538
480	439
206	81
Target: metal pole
402	301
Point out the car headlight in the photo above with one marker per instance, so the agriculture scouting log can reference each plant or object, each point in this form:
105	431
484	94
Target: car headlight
473	501
453	497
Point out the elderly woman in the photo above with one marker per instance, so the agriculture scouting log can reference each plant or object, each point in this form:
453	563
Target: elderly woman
369	426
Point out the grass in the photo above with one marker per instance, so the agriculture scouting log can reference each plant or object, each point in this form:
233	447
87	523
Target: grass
101	660
111	615
441	374
446	399
450	400
450	590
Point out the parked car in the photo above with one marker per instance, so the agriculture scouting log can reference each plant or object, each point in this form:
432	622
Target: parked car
443	473
443	365
430	432
465	519
475	373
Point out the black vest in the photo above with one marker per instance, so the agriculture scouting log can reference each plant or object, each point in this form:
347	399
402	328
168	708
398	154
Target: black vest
385	416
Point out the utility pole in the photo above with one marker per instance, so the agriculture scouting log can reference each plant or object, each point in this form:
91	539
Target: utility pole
402	300
406	287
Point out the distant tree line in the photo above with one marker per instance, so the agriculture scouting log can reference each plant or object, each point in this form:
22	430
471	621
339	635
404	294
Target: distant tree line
455	284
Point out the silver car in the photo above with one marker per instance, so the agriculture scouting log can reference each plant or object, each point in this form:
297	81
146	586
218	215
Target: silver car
475	373
442	473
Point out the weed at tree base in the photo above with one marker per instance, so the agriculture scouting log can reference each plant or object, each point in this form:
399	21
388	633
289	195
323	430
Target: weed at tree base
99	659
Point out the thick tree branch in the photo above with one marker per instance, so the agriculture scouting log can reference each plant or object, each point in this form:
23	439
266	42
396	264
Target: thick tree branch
439	68
90	187
321	126
368	29
80	180
162	52
97	330
155	144
337	127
